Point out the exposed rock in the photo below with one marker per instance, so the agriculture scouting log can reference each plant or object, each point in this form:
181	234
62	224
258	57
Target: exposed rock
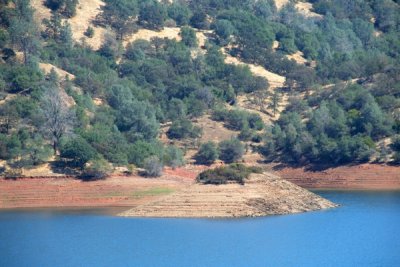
263	194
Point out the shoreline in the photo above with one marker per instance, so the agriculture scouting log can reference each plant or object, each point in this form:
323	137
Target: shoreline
122	193
262	195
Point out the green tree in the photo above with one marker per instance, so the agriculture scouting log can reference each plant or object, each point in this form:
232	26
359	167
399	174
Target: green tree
153	14
224	29
231	150
141	150
78	150
207	153
182	129
96	169
120	15
24	31
274	103
173	156
188	36
179	12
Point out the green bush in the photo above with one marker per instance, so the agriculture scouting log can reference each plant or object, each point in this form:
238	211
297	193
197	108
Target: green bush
231	150
238	119
207	153
173	157
153	167
221	175
89	32
182	129
96	169
78	150
395	143
188	36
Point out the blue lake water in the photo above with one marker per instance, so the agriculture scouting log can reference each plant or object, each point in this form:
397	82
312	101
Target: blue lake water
364	231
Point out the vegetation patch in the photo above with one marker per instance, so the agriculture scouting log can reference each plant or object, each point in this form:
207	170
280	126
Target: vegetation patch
156	191
222	175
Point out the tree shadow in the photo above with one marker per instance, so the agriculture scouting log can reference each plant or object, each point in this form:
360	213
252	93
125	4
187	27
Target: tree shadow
65	168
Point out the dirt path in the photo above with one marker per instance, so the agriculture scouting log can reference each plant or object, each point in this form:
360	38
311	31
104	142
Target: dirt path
263	194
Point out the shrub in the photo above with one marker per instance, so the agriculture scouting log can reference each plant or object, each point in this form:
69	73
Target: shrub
396	158
96	169
246	134
221	175
181	129
238	119
153	167
231	150
188	36
173	156
89	32
78	150
13	173
139	151
207	153
395	143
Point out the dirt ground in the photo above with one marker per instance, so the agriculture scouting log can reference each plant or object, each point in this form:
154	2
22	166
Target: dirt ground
116	191
361	177
263	194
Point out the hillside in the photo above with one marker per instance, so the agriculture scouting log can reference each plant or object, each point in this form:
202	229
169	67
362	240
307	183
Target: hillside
88	88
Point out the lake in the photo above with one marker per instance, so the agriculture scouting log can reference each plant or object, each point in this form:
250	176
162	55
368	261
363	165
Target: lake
364	231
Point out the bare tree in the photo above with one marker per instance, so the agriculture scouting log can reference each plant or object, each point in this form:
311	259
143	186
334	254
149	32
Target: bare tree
58	117
259	99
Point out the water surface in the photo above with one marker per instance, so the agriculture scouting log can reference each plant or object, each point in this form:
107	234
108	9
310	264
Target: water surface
364	231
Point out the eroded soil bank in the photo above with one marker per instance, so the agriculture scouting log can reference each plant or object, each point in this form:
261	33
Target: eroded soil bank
116	191
175	194
357	177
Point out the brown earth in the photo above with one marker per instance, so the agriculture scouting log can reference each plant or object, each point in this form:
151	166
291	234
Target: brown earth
263	194
358	177
175	194
116	191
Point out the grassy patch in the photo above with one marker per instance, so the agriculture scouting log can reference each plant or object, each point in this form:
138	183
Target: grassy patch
156	191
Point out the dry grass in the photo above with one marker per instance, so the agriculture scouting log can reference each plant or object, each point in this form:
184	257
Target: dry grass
46	68
41	12
7	98
86	11
145	34
305	8
40	170
281	3
298	57
274	79
275	45
213	130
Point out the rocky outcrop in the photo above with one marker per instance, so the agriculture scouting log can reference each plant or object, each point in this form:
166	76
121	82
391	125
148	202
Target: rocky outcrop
263	194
